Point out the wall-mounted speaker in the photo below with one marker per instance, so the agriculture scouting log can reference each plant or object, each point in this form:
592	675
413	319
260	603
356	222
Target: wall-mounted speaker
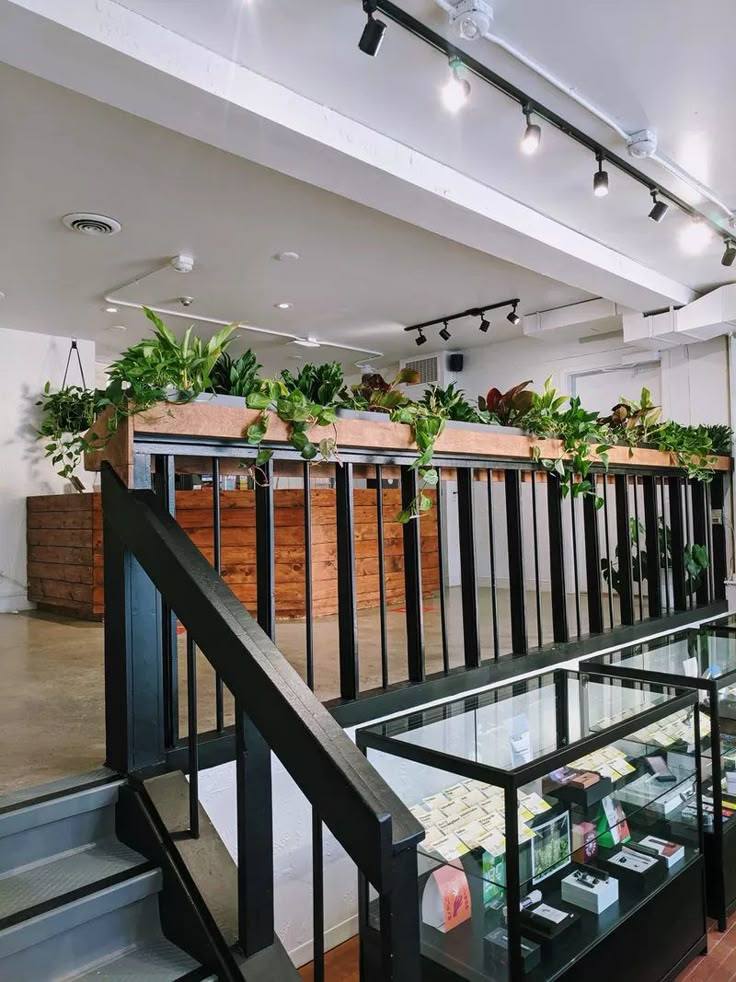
455	362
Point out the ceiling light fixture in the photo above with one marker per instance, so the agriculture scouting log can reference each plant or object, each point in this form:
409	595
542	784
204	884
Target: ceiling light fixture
730	254
373	32
420	339
287	257
484	324
532	134
445	333
600	179
695	236
462	315
111	310
284	305
307	342
659	209
456	90
513	317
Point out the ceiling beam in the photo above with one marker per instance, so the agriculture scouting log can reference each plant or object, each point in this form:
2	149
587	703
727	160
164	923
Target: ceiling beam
107	52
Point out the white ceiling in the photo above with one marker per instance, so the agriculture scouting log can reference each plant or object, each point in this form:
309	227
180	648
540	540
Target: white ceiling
362	275
662	64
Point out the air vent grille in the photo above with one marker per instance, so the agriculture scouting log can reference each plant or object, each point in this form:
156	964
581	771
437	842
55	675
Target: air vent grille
428	368
89	224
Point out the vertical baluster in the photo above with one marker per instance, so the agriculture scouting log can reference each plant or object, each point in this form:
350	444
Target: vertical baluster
575	571
709	540
719	557
308	619
441	561
217	550
558	588
689	594
492	557
607	539
318	901
413	578
639	576
700	537
651	543
192	737
166	487
677	524
347	616
665	548
623	536
535	532
593	558
517	586
468	578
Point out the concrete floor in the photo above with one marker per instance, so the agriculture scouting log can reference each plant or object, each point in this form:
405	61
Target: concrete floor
52	695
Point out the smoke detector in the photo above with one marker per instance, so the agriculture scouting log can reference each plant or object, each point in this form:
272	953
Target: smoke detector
182	264
90	224
471	19
642	144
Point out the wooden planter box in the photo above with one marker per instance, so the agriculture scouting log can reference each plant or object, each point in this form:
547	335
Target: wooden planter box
65	571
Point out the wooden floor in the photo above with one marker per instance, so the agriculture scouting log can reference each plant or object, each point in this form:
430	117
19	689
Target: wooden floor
719	965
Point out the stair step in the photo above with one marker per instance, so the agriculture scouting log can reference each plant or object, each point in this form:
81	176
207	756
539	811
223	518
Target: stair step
155	961
74	937
20	797
38	830
60	878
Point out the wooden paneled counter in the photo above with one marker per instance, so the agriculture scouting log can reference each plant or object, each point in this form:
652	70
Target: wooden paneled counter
65	548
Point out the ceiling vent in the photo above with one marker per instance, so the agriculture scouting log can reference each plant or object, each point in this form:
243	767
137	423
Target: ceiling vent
89	224
428	369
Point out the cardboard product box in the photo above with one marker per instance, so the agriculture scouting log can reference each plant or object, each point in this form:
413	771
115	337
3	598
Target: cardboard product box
496	947
591	894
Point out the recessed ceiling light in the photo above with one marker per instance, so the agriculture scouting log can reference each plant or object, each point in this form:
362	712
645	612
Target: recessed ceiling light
287	257
306	342
284	305
111	310
117	327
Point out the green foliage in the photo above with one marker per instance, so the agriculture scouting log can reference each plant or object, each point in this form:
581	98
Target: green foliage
426	426
507	408
695	557
691	447
634	422
320	384
236	377
450	403
374	394
721	438
65	418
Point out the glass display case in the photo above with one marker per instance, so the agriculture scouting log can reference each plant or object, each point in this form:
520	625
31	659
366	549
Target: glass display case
704	659
562	835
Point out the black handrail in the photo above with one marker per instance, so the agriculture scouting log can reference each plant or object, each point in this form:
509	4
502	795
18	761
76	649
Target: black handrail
362	812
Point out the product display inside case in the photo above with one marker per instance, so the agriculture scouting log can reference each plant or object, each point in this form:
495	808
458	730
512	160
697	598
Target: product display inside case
704	659
555	808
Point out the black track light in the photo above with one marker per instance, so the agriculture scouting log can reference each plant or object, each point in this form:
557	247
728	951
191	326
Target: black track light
372	36
513	317
532	134
484	324
730	254
600	179
659	209
420	339
445	333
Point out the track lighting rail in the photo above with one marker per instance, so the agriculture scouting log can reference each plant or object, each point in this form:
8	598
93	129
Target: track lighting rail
470	312
531	105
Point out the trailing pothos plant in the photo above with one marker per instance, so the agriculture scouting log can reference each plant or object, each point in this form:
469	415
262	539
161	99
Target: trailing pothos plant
66	416
302	401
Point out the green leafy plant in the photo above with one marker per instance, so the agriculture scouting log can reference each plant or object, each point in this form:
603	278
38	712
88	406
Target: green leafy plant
690	446
721	437
320	384
374	394
633	422
507	408
695	557
66	416
235	376
450	403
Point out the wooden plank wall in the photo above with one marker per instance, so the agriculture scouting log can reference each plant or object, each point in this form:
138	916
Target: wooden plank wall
65	548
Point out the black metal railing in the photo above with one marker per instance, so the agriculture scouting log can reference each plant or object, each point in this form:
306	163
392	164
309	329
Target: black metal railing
153	574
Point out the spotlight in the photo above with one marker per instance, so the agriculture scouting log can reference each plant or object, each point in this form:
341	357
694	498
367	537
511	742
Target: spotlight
659	210
532	135
600	179
445	333
695	236
513	317
484	324
420	339
730	254
457	89
372	36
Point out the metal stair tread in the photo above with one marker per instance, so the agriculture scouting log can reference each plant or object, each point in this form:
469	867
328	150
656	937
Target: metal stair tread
27	796
54	879
37	813
157	960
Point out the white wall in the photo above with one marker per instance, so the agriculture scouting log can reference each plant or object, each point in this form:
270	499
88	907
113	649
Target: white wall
28	362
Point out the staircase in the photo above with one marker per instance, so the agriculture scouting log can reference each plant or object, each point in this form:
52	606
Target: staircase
75	902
